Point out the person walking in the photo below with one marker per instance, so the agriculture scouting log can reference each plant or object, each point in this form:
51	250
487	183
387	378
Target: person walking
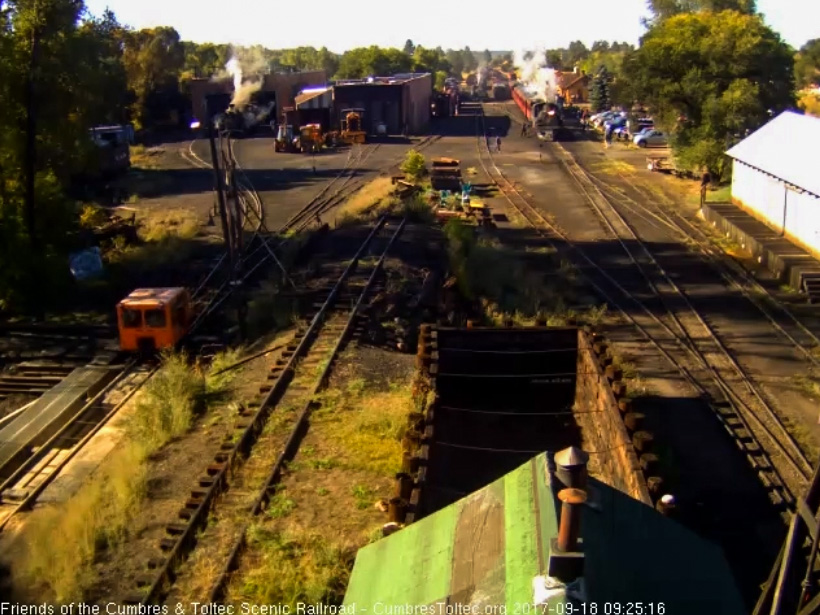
608	136
498	144
705	180
524	129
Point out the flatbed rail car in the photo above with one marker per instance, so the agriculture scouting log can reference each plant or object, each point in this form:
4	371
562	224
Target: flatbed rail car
151	319
667	164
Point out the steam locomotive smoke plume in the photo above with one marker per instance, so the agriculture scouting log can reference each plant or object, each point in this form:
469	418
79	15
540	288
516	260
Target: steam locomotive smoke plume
537	77
245	64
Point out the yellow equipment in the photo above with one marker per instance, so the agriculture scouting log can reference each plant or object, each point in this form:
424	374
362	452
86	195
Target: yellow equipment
285	141
311	138
352	127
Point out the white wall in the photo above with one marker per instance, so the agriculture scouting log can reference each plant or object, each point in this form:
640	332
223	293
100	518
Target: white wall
772	202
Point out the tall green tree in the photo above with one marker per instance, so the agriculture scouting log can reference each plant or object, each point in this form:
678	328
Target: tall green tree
487	56
55	76
153	60
470	62
710	76
456	60
807	64
663	9
599	93
409	47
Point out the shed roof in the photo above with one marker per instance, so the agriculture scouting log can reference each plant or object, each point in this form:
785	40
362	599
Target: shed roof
489	547
306	95
786	148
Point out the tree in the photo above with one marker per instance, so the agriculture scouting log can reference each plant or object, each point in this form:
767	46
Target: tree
456	60
711	76
470	62
599	96
429	61
409	47
366	61
555	59
441	78
58	75
153	59
807	64
663	9
576	52
487	56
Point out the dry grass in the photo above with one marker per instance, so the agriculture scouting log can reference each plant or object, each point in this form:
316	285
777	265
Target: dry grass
615	167
344	465
297	566
145	157
64	541
167	238
372	198
158	225
364	426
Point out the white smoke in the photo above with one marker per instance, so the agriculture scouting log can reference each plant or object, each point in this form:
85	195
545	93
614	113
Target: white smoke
246	67
235	70
538	78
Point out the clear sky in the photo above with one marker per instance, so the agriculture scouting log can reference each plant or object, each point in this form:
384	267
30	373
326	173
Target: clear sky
340	25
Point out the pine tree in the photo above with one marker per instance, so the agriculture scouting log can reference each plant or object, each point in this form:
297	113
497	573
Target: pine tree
599	96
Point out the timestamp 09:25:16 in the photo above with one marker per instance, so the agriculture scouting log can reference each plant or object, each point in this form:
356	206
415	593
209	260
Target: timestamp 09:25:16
599	608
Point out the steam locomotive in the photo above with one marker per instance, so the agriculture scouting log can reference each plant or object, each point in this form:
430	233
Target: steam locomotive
546	118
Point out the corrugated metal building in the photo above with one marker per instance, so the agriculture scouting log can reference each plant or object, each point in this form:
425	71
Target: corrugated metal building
314	106
399	103
775	177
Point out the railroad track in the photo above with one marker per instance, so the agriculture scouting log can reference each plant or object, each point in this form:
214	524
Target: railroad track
733	273
682	336
21	489
249	463
26	482
320	204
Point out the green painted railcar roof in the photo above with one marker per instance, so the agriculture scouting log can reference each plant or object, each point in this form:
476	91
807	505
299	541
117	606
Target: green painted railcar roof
487	548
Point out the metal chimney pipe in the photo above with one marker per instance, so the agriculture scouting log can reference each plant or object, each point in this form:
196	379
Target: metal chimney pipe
571	467
570	524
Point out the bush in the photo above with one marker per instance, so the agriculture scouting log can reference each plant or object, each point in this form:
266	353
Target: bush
414	165
166	407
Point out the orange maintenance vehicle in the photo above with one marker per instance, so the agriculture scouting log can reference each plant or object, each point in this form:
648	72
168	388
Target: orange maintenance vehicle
151	319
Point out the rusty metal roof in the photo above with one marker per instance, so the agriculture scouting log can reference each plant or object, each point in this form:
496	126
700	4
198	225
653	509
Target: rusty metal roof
491	549
786	148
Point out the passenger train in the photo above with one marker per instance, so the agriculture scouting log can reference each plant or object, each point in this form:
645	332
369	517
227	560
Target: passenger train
545	118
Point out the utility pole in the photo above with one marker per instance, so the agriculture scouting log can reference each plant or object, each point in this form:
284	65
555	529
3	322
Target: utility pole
220	195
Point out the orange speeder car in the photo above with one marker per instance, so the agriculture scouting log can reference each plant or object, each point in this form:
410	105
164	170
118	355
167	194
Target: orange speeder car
151	319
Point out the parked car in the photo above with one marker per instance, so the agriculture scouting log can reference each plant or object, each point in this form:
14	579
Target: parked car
641	131
650	137
635	127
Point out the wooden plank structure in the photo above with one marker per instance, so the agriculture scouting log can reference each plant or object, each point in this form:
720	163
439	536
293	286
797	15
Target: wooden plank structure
793	586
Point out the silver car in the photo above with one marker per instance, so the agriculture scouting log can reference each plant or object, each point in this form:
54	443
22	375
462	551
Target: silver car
650	137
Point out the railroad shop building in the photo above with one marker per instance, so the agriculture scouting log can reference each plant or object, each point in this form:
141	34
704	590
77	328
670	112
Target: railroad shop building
214	95
391	104
775	178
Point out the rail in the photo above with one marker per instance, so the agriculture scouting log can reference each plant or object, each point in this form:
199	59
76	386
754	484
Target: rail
227	459
740	430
